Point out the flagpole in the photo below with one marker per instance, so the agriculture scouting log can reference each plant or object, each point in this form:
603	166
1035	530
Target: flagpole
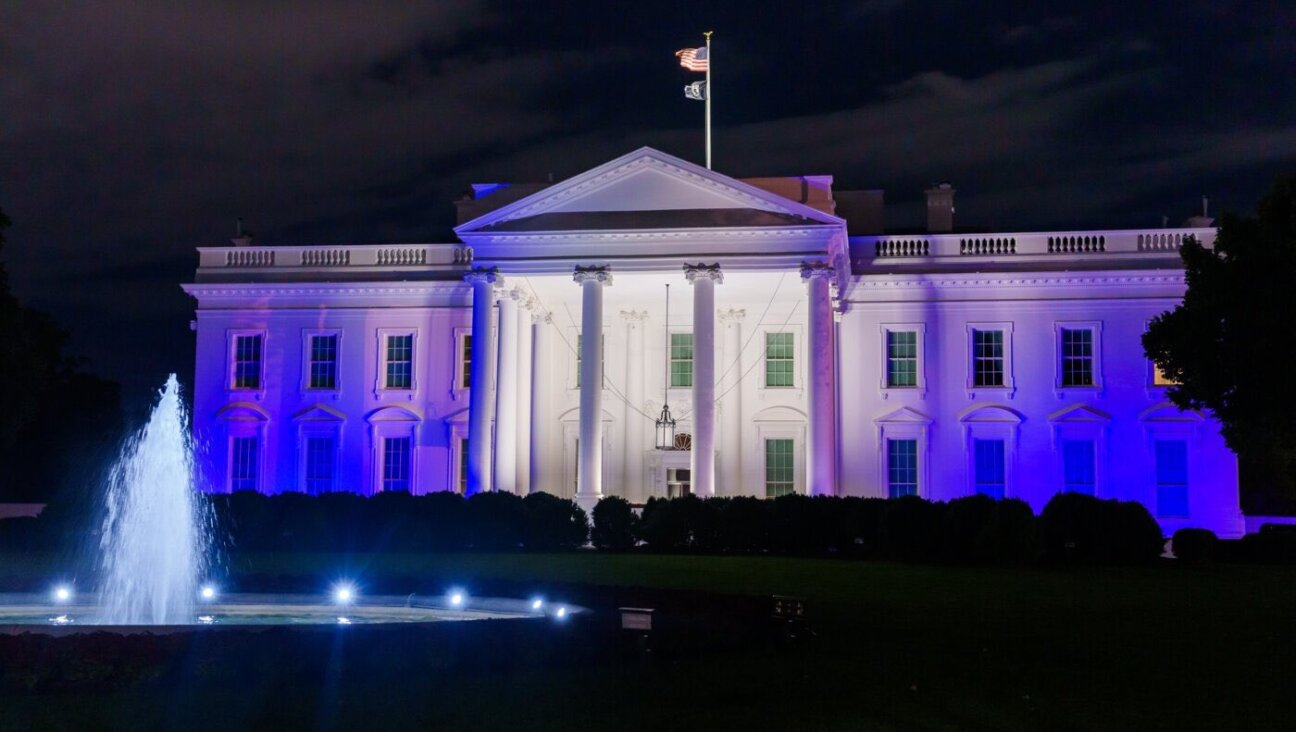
708	99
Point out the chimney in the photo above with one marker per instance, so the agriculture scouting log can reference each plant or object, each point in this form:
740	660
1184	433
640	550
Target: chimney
1204	221
242	237
940	208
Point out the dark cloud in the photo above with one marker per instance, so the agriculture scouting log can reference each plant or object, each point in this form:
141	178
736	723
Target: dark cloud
132	131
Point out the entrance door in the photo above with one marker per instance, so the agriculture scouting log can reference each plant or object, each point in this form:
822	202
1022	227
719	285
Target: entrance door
678	482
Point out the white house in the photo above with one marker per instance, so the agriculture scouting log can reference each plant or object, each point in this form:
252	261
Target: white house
806	352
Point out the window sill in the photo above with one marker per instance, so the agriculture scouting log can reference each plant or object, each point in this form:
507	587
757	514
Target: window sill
887	391
1006	392
257	393
1063	392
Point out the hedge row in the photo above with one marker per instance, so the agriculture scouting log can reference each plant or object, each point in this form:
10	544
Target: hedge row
972	529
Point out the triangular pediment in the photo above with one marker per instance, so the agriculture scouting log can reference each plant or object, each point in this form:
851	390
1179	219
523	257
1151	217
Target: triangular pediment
1168	412
319	413
1079	413
904	415
647	189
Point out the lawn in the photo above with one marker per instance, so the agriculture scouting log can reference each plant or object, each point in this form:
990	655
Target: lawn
897	646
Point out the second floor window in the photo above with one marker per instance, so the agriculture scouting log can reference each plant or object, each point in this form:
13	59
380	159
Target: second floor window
400	361
778	359
247	362
681	359
323	361
987	358
901	358
1077	357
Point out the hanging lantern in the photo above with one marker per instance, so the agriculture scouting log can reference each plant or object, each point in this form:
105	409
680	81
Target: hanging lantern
665	429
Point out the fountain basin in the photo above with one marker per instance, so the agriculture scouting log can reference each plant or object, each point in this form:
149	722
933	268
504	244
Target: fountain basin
28	613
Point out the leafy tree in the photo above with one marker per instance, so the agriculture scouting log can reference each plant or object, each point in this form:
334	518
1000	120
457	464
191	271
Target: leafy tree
57	422
1231	344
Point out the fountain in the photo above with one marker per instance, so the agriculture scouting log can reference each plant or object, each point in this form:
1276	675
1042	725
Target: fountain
153	543
154	555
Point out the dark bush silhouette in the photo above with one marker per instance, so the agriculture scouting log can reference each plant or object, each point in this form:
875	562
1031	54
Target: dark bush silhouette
497	521
1194	546
743	525
1011	536
911	529
553	523
1081	528
614	524
965	520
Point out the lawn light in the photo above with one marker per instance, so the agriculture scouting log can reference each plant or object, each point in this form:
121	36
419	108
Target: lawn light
561	613
537	604
62	593
208	592
343	594
456	598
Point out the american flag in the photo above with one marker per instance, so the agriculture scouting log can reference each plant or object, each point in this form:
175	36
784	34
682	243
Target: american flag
694	59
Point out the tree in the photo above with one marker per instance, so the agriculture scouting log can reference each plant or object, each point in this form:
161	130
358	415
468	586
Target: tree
1229	345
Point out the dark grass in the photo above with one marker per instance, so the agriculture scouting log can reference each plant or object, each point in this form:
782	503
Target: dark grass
897	646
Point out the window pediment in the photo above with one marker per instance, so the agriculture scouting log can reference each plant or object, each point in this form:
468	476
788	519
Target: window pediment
393	413
319	413
779	414
904	415
991	413
1079	413
242	412
1168	412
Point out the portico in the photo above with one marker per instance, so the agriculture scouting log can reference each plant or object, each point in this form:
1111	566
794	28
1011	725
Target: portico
621	232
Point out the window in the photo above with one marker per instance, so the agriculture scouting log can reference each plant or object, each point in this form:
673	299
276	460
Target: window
1078	473
602	360
244	457
901	358
1077	357
902	468
247	361
778	468
400	361
1159	378
987	358
321	464
988	459
779	360
463	467
323	361
1172	477
396	464
681	360
465	361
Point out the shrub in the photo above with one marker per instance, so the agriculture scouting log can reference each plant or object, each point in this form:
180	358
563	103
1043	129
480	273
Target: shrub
1275	543
743	524
669	524
964	521
553	523
911	529
794	525
1011	536
496	521
1082	528
614	524
862	526
1195	546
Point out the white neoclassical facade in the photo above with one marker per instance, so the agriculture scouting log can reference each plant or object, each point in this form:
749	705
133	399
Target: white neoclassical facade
807	351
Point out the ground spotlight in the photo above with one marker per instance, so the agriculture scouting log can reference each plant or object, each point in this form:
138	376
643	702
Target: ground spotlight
62	593
344	594
208	592
561	613
537	604
456	598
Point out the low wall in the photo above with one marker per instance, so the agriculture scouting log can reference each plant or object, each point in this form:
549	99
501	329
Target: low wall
21	510
1253	523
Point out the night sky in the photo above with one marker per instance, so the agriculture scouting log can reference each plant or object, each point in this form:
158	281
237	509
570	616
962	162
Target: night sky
133	131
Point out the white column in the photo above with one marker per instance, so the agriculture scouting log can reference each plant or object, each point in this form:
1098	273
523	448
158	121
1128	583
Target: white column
541	388
702	461
633	454
484	282
525	387
821	461
506	395
589	478
729	473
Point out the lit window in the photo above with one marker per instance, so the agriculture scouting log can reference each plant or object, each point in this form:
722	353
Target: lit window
902	468
778	359
1078	474
321	464
681	359
902	358
987	358
244	454
247	362
778	468
1077	357
988	459
1160	379
465	361
1172	477
463	467
400	361
396	464
323	361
